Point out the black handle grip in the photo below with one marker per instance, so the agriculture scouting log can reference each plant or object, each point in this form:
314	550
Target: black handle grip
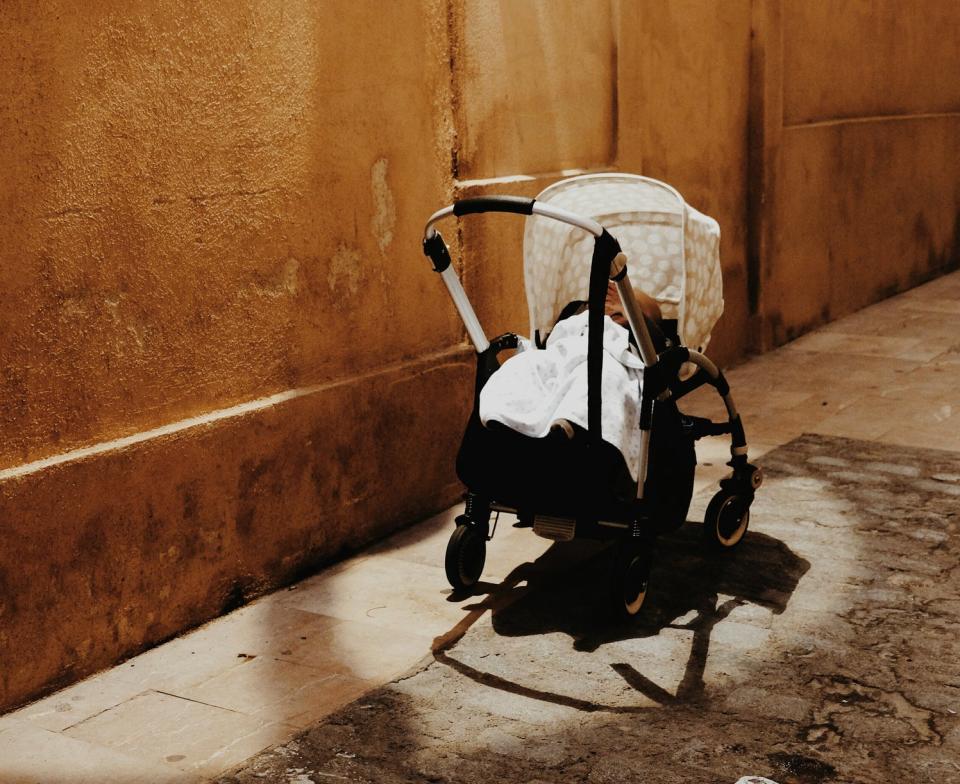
435	249
515	204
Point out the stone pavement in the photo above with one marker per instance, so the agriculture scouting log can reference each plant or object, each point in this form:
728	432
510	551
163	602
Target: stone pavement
825	649
817	641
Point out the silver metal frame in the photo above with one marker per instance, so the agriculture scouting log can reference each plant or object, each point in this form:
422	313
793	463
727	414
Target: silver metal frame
469	316
462	302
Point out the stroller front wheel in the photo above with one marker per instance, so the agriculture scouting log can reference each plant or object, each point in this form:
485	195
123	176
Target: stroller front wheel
466	554
726	521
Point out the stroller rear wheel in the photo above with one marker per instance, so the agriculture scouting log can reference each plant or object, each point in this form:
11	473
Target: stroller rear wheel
466	554
631	579
726	521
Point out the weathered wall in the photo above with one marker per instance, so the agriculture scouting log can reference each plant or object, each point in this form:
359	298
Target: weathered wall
864	179
104	556
201	207
823	137
534	86
211	225
650	87
535	95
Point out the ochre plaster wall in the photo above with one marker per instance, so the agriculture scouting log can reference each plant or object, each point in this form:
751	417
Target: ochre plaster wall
535	85
202	207
211	225
661	88
534	95
864	175
869	58
683	119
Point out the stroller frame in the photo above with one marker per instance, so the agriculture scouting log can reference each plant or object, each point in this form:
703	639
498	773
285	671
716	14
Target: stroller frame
727	514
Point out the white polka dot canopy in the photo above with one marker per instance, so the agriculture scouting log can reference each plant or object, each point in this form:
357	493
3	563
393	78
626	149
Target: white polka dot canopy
673	251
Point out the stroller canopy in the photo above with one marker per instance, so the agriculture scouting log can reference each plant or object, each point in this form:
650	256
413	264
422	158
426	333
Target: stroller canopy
673	251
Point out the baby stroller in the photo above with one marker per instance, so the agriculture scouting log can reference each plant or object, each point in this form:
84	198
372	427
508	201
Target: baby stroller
565	488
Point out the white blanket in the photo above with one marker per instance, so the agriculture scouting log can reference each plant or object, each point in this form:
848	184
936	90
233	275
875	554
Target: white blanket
537	389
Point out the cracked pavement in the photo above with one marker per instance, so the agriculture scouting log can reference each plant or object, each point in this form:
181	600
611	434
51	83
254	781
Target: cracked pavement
824	650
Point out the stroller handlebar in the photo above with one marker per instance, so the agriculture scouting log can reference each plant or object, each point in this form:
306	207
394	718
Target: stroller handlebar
518	205
608	260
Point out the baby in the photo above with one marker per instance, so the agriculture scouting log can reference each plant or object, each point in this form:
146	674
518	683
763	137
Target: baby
613	307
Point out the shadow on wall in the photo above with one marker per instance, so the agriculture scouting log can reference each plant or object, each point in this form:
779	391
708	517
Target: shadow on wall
939	262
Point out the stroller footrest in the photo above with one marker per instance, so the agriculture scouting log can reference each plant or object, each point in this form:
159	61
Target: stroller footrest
559	529
699	427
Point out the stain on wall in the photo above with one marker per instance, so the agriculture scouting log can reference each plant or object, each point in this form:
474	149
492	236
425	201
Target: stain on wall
385	210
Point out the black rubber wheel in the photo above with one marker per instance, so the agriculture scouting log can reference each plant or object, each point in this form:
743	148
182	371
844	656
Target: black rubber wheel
466	553
631	581
726	521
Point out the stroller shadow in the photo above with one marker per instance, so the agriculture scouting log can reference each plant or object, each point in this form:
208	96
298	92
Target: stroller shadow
689	590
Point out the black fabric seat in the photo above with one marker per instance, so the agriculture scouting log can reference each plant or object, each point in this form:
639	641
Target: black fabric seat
570	478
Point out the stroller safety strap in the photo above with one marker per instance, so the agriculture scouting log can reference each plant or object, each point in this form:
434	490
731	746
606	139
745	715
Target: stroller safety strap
605	249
